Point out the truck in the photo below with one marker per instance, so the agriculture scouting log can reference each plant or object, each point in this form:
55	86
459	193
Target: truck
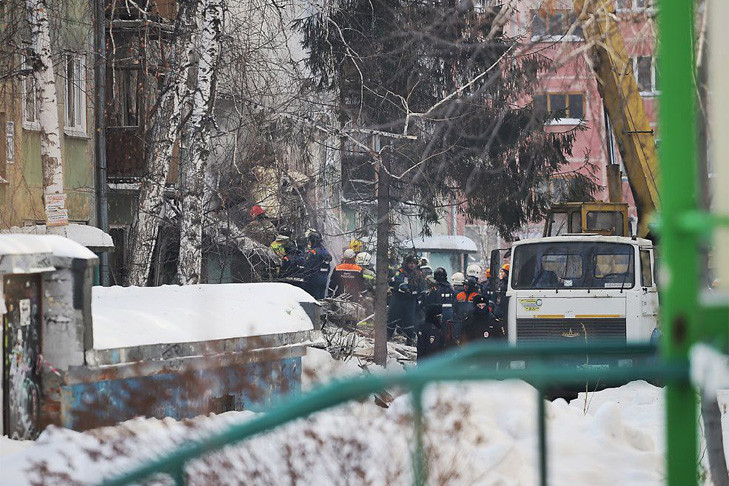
587	279
586	288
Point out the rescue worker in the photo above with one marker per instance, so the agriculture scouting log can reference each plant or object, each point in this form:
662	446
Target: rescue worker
482	324
356	245
441	294
407	285
464	307
425	268
347	278
292	264
500	301
487	286
260	229
457	280
317	266
364	260
430	334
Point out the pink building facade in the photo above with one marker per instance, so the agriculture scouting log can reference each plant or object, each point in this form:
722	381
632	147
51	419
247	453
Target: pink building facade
552	30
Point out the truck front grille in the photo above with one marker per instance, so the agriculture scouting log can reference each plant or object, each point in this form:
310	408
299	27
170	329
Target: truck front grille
592	331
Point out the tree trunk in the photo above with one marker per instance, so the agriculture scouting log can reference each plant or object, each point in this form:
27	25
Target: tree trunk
50	139
189	266
383	260
161	138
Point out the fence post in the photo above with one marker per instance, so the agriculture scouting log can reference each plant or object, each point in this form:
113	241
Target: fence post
679	247
420	473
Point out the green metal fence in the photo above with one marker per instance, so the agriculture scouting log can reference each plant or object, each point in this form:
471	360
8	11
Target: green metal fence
684	321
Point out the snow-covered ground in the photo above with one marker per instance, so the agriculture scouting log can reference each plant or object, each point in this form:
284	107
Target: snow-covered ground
475	434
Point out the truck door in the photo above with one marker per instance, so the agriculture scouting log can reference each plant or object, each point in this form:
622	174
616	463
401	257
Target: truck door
21	352
649	290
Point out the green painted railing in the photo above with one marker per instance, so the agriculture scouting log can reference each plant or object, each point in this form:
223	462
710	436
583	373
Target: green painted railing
681	226
475	362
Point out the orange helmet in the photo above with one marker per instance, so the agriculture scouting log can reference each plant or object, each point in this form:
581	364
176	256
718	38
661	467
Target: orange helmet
506	267
488	273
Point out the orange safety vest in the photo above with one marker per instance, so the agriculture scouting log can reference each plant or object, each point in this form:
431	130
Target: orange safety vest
462	297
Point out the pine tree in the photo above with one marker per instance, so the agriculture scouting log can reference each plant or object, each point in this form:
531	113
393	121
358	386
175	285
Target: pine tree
446	92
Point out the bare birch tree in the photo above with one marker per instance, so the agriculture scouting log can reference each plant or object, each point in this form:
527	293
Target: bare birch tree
161	138
45	80
189	266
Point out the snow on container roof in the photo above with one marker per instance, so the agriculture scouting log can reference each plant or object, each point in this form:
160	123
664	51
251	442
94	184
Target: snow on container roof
441	242
86	235
25	254
125	317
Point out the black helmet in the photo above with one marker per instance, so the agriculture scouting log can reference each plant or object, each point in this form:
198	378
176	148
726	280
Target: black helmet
472	282
315	238
479	299
440	275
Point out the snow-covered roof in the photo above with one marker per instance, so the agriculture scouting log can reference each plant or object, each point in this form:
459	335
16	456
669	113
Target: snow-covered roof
441	242
40	243
25	254
86	235
136	316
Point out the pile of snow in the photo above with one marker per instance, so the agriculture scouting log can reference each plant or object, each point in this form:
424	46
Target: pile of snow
475	434
318	367
135	316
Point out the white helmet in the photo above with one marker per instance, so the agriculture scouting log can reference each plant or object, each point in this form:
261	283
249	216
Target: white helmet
473	270
424	262
363	258
458	278
349	253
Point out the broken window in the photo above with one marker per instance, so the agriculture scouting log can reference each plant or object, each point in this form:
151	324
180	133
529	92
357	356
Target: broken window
124	98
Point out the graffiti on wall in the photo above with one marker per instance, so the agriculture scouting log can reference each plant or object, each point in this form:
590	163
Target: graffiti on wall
21	353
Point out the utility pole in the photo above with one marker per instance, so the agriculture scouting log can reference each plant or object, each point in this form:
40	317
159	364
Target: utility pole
102	218
383	261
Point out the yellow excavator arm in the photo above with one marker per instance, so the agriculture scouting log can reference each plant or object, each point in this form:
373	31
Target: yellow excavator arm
623	103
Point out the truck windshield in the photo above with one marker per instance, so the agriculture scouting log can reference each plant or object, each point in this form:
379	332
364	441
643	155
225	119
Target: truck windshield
575	265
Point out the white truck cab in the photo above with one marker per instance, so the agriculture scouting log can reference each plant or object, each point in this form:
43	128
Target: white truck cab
587	288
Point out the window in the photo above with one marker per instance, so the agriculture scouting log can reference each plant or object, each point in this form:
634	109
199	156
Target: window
555	24
633	5
30	99
560	105
75	72
124	98
610	222
646	74
573	265
358	170
646	275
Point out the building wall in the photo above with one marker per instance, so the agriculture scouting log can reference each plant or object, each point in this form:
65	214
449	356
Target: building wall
21	200
572	73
